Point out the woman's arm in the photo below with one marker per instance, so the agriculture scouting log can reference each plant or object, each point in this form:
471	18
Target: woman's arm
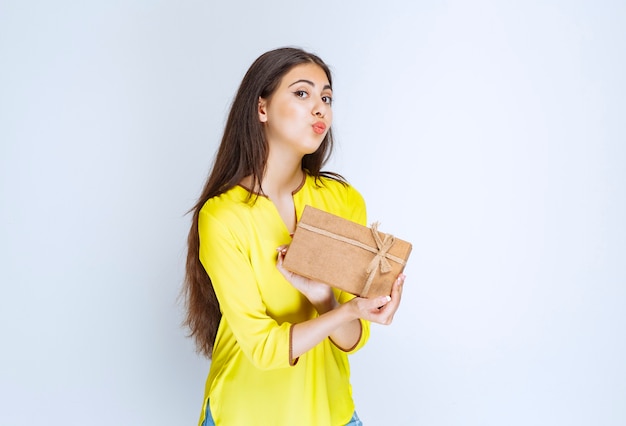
340	322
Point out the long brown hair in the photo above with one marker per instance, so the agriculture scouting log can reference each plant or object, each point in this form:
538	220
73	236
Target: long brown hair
242	152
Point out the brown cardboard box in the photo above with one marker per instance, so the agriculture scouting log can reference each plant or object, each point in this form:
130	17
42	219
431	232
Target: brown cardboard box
345	254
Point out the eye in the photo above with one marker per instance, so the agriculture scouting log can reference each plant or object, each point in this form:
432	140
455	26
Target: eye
301	94
327	100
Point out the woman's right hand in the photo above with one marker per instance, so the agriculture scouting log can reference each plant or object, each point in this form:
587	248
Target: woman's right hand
319	294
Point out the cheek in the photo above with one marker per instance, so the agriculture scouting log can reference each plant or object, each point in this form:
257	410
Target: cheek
289	112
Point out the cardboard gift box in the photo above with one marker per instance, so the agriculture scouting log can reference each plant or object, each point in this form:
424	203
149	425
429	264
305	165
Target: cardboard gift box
346	255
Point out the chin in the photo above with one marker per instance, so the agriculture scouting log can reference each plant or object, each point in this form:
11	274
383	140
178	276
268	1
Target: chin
312	149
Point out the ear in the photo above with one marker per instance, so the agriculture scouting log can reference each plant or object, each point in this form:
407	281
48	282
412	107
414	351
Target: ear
262	110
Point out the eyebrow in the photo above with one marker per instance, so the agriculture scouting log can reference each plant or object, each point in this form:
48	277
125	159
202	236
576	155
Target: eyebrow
309	82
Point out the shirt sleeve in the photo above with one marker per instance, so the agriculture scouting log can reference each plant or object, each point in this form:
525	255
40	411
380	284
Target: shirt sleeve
264	341
365	326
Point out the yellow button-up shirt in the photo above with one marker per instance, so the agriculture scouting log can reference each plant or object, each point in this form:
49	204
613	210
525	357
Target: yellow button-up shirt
251	380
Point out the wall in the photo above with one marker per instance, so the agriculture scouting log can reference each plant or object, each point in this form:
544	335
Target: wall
489	135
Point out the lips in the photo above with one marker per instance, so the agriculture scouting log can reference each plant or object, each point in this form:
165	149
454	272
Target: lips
319	127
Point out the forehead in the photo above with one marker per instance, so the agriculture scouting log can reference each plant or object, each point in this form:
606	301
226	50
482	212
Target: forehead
307	72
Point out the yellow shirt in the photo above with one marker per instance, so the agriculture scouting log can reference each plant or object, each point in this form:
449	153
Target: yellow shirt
251	381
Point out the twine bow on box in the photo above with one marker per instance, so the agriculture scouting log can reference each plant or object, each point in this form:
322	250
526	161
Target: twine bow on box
380	258
381	251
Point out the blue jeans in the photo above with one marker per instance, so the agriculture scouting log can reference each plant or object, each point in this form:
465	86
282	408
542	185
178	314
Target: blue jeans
355	421
208	418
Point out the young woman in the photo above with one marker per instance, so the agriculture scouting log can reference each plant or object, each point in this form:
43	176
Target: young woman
278	342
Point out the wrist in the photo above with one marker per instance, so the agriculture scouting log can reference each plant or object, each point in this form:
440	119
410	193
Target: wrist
349	311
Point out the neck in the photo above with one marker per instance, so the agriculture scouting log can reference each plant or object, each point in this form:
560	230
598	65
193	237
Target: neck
281	177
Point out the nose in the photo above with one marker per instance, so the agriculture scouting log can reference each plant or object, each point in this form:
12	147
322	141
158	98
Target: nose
319	109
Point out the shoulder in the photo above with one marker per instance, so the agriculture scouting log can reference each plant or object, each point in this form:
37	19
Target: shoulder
229	209
335	196
333	185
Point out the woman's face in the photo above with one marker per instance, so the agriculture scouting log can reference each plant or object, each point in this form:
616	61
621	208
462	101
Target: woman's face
298	114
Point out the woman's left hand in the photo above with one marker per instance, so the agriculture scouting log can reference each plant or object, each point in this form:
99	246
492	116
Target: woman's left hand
319	294
382	309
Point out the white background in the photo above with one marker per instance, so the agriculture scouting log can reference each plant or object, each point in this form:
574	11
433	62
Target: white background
489	134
